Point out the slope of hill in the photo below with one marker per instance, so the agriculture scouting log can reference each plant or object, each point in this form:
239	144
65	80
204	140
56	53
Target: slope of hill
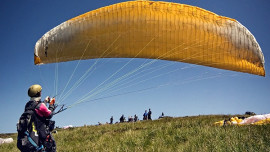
196	133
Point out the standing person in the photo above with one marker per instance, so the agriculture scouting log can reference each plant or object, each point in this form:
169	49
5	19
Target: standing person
145	115
111	120
135	118
149	114
122	119
34	127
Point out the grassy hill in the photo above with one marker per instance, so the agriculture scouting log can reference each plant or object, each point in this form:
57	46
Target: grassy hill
196	133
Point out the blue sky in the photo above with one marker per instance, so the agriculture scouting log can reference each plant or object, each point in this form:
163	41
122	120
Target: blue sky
177	90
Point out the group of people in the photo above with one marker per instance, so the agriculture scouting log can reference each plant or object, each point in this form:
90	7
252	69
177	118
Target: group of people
146	116
123	119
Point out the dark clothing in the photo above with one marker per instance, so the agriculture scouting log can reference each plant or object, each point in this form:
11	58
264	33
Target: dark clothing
135	118
149	115
111	120
31	105
145	116
122	118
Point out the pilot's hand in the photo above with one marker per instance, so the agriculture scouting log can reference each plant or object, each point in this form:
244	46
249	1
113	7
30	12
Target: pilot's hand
52	101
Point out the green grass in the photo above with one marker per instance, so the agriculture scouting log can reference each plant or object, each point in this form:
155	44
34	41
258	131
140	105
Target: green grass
170	134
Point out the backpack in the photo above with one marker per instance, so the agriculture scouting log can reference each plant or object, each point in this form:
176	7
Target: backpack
28	139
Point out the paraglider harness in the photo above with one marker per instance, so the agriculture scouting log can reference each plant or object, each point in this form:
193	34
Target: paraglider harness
49	142
28	139
29	134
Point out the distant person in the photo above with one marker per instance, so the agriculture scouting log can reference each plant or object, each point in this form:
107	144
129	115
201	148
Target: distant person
250	113
162	115
130	119
111	120
35	127
122	119
149	114
145	115
135	118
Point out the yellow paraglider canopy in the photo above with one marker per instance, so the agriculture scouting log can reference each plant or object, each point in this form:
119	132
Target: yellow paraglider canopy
155	30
